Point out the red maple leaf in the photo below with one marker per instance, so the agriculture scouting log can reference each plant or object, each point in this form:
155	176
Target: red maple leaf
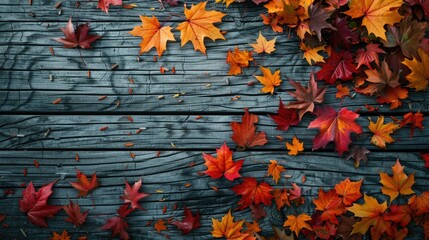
285	117
80	37
35	204
365	57
118	225
295	195
105	4
425	157
132	194
344	36
245	134
334	126
415	119
253	192
330	204
223	164
338	66
83	184
189	222
74	214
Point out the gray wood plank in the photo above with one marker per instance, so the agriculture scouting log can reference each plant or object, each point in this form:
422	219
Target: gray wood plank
168	173
161	131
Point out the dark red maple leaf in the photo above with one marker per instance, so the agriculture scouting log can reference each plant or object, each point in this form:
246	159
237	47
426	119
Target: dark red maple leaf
83	184
74	214
245	134
344	36
285	117
253	192
339	65
365	57
306	97
258	211
132	194
425	157
118	225
105	4
80	37
35	204
318	16
189	222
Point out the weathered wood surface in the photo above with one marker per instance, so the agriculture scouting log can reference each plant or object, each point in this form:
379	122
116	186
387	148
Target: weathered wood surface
166	189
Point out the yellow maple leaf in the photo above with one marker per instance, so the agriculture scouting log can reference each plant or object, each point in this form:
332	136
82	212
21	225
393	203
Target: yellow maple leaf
296	146
262	45
153	34
227	2
199	25
376	14
399	183
269	80
228	228
382	132
311	54
237	60
419	76
275	169
296	223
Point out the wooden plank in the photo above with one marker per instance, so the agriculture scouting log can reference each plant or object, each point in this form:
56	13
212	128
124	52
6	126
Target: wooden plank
169	172
162	131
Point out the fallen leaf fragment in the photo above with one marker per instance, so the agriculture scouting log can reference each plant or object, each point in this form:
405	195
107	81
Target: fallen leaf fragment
63	236
104	5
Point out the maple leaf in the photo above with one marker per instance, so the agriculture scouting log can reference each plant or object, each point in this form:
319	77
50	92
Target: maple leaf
400	214
334	126
63	236
311	54
419	76
285	117
399	183
419	204
238	60
264	46
295	194
132	194
199	25
35	204
376	14
339	65
306	97
118	225
245	134
154	35
330	204
296	147
252	227
415	119
345	228
343	91
382	132
325	231
83	184
269	80
253	192
223	164
275	170
105	4
423	4
425	157
281	198
74	214
372	214
227	2
228	228
335	4
160	226
393	96
189	222
365	57
380	81
318	16
296	223
80	37
350	191
258	211
344	36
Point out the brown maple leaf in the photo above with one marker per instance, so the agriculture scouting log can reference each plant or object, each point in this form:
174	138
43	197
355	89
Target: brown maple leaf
83	184
80	37
245	134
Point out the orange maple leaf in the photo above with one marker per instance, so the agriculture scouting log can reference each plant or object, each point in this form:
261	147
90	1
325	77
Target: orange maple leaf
393	96
245	134
415	119
281	197
238	60
275	169
419	204
154	35
350	191
399	183
262	45
382	132
83	184
228	228
330	204
343	91
227	2
376	14
269	80
199	25
419	76
372	214
223	164
253	192
311	54
160	226
296	147
63	236
296	223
